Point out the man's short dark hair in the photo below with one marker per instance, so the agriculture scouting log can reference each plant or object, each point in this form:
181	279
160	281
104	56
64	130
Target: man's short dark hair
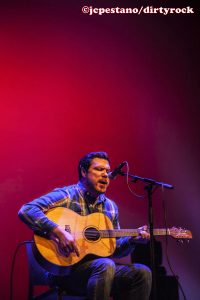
85	161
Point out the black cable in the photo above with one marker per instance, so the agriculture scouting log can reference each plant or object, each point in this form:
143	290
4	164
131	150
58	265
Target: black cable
13	266
166	246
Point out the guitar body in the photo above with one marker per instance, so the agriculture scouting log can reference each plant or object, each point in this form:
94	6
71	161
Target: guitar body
84	229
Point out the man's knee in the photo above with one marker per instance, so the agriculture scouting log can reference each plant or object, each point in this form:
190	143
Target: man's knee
105	265
144	273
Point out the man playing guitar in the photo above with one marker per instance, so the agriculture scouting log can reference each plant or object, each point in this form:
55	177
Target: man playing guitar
90	275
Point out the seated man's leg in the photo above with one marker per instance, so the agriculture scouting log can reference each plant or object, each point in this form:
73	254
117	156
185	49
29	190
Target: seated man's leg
93	279
132	282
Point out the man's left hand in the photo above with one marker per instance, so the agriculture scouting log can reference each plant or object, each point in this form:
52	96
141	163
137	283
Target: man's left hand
143	235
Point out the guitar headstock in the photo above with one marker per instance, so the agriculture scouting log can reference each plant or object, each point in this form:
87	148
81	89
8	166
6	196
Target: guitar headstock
180	233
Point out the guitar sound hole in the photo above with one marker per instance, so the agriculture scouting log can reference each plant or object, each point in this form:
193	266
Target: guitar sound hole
92	234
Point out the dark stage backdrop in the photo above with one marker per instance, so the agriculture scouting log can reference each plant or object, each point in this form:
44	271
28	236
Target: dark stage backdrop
71	83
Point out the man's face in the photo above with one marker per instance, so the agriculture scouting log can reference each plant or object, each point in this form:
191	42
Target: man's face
96	178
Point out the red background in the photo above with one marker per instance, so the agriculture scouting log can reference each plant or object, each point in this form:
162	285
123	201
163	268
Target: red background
73	83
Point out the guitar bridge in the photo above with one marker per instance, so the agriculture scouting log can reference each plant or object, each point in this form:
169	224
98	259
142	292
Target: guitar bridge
67	228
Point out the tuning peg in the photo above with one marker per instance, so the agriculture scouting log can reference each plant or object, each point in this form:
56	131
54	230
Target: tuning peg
180	241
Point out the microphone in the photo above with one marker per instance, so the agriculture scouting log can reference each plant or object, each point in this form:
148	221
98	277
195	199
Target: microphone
116	171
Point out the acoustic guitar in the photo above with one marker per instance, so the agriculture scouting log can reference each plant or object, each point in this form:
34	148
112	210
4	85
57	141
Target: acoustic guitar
94	234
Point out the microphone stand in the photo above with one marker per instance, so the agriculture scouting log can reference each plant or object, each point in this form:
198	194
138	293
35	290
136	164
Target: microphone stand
149	184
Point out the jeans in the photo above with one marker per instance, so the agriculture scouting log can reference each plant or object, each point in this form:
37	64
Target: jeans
101	278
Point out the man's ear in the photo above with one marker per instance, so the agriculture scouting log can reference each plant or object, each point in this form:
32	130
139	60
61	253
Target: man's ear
83	172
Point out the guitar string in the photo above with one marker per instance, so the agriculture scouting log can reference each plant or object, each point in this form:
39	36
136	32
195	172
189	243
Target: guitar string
106	233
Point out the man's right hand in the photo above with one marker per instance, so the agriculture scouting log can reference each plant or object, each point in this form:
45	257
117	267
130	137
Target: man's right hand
66	241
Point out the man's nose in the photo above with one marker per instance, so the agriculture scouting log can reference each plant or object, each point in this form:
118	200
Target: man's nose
105	173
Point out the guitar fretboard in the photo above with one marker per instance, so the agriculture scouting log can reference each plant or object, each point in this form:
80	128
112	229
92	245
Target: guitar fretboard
130	232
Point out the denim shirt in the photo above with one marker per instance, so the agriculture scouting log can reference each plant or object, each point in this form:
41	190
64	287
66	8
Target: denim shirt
73	197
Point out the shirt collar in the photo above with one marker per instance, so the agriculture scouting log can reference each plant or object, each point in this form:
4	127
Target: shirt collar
82	189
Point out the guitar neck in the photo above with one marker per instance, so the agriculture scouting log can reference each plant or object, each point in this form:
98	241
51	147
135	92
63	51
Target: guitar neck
130	232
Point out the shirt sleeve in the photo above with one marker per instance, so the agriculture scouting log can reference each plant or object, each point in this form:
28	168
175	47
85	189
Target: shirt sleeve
33	213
